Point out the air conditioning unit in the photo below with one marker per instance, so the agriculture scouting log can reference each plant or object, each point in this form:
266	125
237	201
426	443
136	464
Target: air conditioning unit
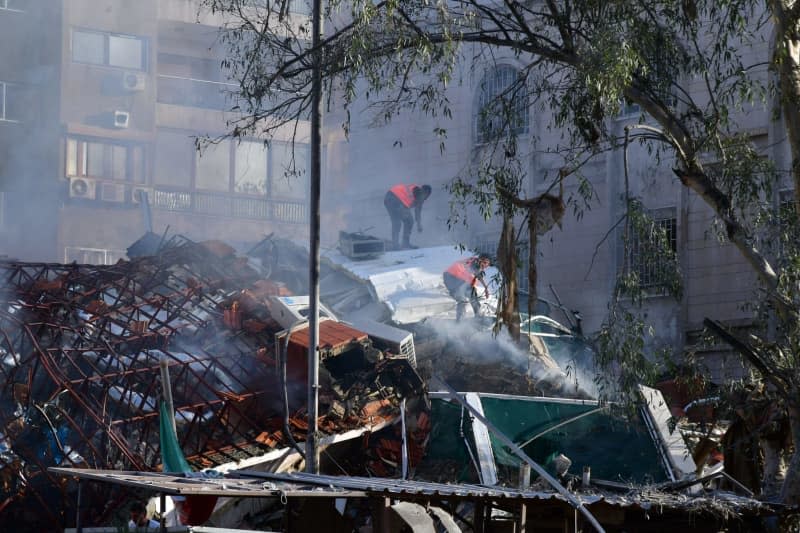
138	191
360	246
83	188
288	310
121	119
133	81
111	192
388	338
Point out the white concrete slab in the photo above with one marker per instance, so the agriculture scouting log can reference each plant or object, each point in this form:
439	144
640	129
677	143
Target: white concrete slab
409	282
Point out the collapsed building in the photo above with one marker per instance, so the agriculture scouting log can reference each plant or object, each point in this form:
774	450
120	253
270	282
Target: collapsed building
81	354
88	352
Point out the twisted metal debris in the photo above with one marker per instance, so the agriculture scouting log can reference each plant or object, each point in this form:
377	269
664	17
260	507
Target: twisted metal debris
80	348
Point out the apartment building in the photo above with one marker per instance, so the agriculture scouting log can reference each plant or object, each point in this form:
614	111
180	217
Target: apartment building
131	87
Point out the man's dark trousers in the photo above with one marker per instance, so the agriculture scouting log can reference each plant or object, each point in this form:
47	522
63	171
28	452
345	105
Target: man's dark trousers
400	216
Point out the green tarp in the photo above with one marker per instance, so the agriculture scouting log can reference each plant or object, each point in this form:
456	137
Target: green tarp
172	456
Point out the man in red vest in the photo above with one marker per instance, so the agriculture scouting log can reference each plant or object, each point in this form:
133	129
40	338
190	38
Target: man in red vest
460	280
398	201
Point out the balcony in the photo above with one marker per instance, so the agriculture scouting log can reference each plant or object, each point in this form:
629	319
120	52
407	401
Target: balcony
91	191
229	205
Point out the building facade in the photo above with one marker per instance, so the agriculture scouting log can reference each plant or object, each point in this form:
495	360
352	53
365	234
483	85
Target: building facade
578	262
128	89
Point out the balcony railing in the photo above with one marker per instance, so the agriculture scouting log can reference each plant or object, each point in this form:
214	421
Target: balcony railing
225	204
229	205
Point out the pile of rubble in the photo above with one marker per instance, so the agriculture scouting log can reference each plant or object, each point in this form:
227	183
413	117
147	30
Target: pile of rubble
81	351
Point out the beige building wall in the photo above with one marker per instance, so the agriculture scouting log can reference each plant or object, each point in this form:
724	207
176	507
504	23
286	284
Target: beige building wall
174	95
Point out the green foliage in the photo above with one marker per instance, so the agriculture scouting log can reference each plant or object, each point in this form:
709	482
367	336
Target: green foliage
622	354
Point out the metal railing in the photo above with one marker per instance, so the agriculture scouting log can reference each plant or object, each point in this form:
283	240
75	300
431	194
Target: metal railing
229	205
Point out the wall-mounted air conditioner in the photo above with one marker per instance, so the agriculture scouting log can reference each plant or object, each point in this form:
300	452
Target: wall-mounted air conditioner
133	81
111	192
83	188
288	310
121	119
388	338
137	193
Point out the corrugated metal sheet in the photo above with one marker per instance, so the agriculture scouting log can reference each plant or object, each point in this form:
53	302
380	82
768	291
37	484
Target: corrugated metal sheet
264	484
332	335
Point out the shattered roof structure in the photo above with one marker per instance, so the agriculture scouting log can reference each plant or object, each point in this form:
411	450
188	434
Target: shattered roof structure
80	354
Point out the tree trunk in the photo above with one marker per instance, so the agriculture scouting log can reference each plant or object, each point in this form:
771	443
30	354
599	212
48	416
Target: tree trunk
533	275
507	264
790	494
786	60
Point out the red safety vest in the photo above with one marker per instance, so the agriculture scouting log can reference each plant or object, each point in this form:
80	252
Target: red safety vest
404	193
463	270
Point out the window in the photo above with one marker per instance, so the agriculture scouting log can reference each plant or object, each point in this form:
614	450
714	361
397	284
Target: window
502	107
98	158
114	50
173	162
193	82
11	102
251	168
287	177
13	5
301	7
246	168
647	248
213	167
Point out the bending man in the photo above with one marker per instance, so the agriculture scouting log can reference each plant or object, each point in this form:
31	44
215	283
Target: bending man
398	201
460	280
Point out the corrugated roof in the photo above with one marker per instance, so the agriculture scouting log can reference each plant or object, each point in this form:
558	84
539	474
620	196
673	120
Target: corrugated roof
331	334
264	484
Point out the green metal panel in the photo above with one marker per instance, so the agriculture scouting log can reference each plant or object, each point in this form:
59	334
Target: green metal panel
615	448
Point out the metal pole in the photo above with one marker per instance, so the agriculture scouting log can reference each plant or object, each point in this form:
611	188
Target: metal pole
78	525
312	452
404	453
166	389
162	520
